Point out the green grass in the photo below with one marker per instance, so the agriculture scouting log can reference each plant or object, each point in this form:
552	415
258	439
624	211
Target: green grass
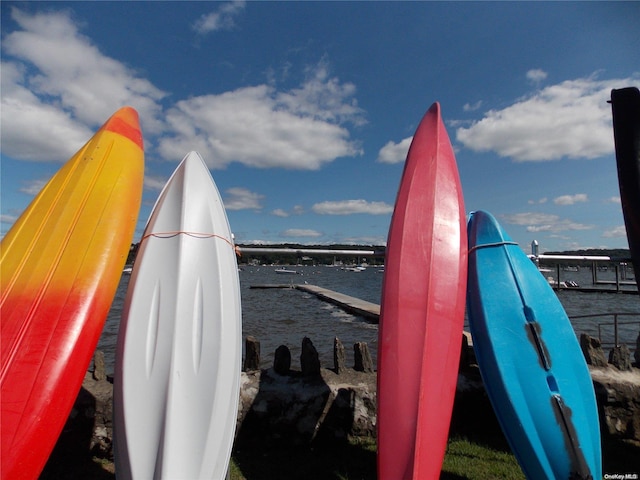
477	455
356	460
473	461
479	458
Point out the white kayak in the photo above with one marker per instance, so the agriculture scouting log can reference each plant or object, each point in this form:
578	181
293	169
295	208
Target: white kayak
179	349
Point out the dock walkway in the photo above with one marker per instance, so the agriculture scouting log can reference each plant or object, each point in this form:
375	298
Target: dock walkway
356	306
368	310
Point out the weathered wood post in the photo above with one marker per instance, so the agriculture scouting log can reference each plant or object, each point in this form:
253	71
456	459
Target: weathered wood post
282	360
362	357
309	358
338	356
252	354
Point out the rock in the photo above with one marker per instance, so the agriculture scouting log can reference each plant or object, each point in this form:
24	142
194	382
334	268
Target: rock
618	396
252	354
636	354
297	410
338	356
99	372
309	358
592	351
294	409
282	360
620	357
101	439
362	358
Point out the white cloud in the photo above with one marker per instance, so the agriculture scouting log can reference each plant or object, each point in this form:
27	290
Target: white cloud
615	200
543	222
536	75
379	240
239	198
616	232
349	207
6	218
571	119
279	212
471	107
221	19
530	218
58	87
31	129
571	199
261	127
395	152
33	187
300	232
540	201
154	183
324	97
560	226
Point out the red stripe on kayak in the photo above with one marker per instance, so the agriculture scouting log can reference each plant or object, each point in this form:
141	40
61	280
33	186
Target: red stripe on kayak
125	122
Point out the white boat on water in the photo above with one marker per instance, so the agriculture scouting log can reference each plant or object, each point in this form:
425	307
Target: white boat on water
286	271
354	269
565	284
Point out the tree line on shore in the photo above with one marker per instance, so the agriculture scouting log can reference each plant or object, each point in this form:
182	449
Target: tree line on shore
620	254
299	258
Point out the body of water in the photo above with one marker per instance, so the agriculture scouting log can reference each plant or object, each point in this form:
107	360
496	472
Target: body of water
284	316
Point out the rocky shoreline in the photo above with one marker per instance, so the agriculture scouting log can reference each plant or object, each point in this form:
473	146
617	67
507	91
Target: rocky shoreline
285	407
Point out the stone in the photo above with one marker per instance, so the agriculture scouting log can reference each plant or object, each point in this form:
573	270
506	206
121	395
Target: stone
99	373
636	354
592	351
362	358
282	360
339	361
620	357
276	410
295	410
309	358
252	354
618	397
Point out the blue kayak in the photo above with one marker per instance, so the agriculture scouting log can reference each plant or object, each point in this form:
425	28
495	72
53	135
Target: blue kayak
530	360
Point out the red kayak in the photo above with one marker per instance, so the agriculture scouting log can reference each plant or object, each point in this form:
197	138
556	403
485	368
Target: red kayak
422	309
60	265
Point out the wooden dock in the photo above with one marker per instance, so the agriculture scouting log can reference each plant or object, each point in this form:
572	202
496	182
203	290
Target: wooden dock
356	306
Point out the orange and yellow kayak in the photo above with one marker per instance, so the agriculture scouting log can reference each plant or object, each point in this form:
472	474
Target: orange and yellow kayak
60	265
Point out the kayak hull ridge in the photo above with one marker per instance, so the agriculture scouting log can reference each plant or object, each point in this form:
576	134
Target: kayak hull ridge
422	309
530	360
60	265
178	356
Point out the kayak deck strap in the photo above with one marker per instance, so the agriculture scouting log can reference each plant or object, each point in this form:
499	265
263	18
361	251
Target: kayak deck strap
494	244
533	334
579	467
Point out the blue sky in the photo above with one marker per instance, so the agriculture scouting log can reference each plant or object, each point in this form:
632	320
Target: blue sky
304	110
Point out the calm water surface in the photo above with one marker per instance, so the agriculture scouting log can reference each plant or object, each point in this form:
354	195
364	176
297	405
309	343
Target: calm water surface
284	316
